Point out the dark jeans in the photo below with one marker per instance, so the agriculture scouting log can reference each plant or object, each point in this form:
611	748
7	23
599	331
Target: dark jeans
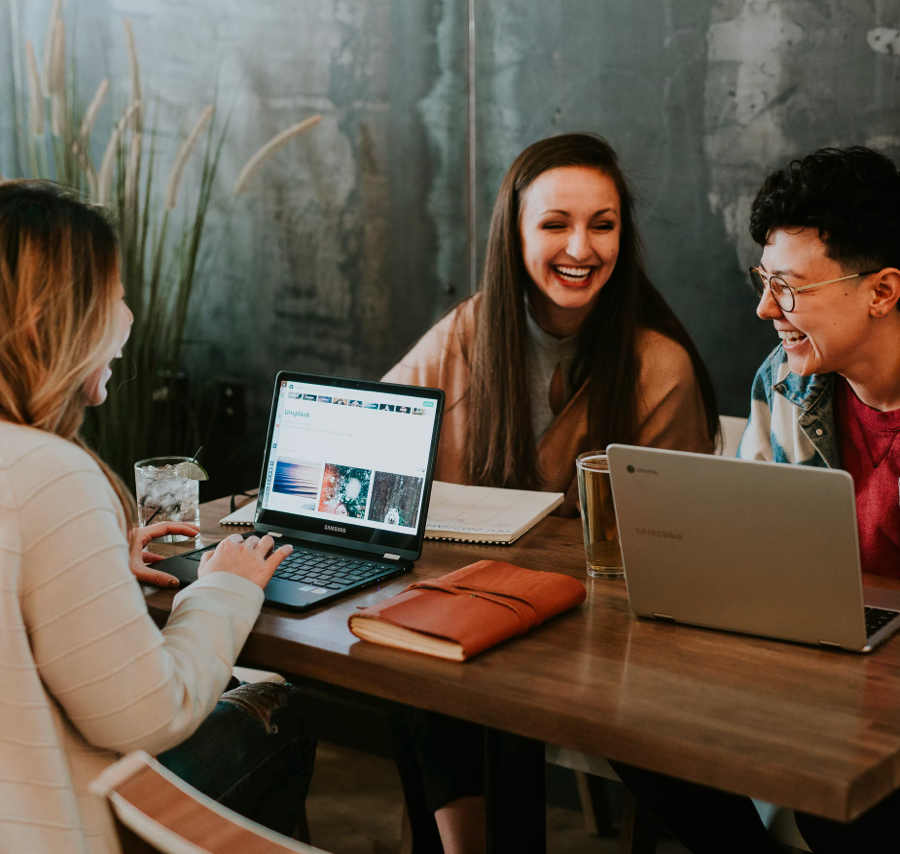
710	821
251	755
439	759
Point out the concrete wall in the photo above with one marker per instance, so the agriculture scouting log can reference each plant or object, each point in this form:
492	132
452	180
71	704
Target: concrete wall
700	98
354	239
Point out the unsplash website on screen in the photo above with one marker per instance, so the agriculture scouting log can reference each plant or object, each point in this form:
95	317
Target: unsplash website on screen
350	456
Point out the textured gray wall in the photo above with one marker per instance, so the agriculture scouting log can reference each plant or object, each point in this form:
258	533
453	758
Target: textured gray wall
354	239
700	98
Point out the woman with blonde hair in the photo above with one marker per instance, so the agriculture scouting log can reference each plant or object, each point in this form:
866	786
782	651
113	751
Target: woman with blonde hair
86	673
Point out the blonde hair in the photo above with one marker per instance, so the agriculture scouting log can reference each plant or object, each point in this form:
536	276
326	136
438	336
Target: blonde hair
58	308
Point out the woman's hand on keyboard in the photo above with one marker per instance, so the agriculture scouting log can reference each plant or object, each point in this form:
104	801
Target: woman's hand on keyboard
252	558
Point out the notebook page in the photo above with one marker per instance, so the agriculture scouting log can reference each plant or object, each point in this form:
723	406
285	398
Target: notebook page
482	510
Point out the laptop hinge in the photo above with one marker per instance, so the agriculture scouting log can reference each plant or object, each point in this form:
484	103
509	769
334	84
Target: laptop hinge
392	557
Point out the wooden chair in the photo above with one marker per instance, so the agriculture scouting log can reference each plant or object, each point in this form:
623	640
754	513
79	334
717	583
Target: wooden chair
732	430
155	812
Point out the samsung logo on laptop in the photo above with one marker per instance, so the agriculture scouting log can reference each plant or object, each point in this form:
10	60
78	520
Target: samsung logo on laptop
663	535
336	529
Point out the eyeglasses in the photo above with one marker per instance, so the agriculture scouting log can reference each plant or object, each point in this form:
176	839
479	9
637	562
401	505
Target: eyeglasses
783	293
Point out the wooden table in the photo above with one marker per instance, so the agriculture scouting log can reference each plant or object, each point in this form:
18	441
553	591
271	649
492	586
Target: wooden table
798	726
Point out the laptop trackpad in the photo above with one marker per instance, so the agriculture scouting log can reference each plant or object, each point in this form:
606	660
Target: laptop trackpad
879	597
297	595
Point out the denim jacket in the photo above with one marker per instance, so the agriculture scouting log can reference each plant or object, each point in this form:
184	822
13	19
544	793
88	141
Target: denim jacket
791	417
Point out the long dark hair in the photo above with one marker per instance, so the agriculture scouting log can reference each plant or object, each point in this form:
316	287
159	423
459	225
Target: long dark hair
501	445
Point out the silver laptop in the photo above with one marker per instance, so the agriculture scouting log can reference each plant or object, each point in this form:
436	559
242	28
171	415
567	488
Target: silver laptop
761	548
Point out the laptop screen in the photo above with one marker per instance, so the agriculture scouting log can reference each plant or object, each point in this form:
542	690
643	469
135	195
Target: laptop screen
350	459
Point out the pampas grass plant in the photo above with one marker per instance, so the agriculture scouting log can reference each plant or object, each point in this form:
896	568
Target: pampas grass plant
149	410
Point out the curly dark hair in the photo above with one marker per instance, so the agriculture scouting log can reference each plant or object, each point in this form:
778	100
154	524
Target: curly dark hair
851	195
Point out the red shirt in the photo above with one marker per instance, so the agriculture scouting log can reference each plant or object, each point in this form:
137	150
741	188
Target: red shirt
870	452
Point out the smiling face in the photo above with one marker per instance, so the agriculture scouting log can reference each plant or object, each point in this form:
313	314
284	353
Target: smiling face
569	228
95	384
828	325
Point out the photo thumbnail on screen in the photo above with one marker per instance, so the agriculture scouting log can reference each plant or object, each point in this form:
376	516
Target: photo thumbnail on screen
395	499
345	491
299	479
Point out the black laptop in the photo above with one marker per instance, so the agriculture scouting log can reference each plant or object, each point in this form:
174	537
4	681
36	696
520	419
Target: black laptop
346	481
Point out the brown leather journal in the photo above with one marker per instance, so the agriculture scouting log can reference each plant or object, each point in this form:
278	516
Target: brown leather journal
469	610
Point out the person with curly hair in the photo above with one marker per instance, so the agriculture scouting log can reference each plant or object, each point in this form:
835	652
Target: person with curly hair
828	395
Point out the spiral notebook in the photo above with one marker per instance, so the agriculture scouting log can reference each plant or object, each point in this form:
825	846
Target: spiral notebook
483	514
468	514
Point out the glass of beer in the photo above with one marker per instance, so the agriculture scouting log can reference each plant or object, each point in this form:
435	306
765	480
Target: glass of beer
598	515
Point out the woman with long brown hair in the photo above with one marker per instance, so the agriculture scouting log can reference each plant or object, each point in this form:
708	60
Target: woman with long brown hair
566	348
86	673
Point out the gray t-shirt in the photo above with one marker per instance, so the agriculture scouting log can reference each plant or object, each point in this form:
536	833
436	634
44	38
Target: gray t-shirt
544	353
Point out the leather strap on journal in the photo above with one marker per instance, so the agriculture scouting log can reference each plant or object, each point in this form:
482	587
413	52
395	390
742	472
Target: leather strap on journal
528	622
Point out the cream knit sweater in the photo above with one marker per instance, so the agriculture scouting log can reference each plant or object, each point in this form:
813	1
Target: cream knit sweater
85	674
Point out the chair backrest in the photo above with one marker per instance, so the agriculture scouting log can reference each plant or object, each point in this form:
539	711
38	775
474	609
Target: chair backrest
155	811
732	430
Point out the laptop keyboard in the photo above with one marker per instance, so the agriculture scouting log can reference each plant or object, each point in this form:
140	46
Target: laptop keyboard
321	572
877	619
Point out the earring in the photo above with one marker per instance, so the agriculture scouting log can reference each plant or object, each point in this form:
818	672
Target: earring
880	312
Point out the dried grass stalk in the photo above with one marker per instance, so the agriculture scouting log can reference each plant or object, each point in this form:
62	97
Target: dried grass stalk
91	174
183	156
108	165
269	149
135	69
87	124
81	147
35	94
57	82
132	170
55	12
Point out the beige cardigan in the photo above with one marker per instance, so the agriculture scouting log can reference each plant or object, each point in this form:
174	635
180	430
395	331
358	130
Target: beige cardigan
670	407
86	675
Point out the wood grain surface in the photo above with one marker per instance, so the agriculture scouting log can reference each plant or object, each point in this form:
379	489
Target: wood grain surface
798	726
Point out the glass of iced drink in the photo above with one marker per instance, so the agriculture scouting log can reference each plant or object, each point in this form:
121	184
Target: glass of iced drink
598	516
168	490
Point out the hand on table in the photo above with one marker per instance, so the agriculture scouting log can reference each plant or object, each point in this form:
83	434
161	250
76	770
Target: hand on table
252	558
139	539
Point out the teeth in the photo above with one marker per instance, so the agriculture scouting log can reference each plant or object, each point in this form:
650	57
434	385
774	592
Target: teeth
578	274
790	335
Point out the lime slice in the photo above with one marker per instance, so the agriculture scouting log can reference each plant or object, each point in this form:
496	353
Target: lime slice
191	471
